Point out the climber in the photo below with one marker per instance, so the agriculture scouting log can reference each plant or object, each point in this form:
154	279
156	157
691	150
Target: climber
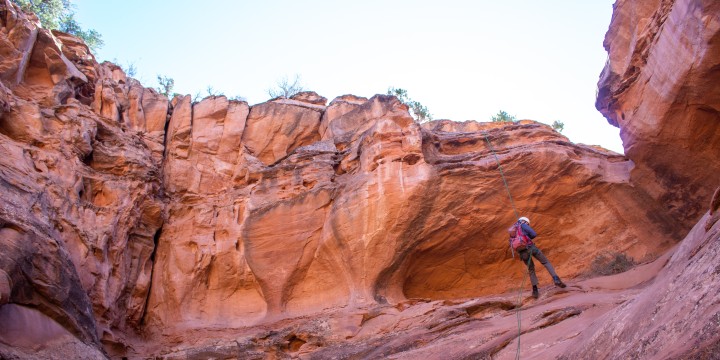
521	235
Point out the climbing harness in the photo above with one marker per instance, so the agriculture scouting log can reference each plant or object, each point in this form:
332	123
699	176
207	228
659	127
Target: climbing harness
517	216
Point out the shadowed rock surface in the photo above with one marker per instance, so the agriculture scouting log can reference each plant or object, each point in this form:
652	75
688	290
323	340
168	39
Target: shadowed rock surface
660	87
133	225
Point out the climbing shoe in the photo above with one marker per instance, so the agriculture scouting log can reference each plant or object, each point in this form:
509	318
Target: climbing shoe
558	282
536	293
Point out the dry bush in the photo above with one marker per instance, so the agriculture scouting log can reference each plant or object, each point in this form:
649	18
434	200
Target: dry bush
610	262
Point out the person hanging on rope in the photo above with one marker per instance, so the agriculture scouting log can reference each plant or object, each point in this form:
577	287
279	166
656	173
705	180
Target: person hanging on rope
521	235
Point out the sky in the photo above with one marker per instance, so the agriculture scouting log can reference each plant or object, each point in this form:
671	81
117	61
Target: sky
463	59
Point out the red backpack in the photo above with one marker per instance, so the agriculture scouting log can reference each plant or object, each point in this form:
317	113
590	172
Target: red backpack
518	240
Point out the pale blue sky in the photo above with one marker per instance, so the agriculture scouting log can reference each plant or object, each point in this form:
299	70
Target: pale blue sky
464	60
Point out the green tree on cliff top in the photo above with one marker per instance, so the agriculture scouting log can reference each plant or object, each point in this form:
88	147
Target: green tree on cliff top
419	111
60	15
503	116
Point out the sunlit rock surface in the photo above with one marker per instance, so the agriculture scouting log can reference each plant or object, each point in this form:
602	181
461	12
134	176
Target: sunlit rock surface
135	225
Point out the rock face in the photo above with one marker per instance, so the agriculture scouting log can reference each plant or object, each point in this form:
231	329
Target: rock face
131	225
380	211
660	87
81	198
677	316
666	309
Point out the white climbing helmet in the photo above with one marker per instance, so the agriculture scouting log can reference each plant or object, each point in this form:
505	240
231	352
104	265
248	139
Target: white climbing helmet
524	219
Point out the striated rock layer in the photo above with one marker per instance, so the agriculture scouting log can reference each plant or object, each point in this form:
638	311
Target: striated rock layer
133	225
666	309
81	188
660	87
375	210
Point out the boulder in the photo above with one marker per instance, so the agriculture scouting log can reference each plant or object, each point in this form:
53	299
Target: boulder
309	97
338	107
274	129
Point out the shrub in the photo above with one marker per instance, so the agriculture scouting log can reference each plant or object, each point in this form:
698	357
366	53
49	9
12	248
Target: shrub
610	262
285	88
59	15
558	126
166	85
503	116
212	92
418	111
130	70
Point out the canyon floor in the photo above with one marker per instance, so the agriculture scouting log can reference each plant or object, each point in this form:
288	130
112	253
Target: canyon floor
483	327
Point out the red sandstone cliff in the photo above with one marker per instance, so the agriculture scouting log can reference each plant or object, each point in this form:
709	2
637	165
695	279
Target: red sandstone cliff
133	225
660	87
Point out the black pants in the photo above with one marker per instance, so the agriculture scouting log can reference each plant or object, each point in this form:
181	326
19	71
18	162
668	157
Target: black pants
536	253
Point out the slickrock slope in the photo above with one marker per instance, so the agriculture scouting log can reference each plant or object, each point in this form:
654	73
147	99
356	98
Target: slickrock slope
660	86
677	316
131	225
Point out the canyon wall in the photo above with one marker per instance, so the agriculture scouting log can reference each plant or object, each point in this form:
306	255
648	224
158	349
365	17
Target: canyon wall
290	207
660	87
81	192
132	224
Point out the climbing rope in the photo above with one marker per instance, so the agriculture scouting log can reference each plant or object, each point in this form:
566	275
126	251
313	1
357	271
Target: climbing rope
517	216
502	174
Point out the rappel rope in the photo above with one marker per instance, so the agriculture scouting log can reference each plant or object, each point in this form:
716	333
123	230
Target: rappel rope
502	174
517	216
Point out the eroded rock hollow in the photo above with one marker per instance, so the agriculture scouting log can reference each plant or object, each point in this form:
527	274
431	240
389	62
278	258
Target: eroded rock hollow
135	225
